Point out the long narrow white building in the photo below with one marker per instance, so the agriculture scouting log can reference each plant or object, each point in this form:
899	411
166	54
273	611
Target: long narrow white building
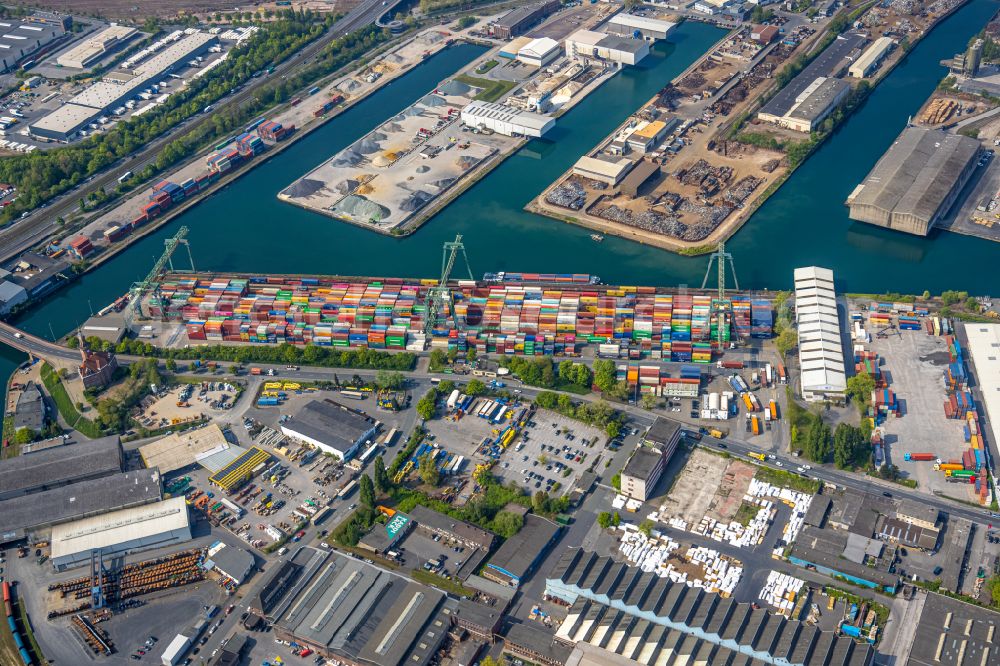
507	120
821	353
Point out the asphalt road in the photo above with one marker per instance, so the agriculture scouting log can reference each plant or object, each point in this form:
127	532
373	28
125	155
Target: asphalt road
23	234
28	343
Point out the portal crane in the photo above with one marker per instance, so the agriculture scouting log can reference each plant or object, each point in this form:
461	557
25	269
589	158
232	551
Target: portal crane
439	297
722	309
151	283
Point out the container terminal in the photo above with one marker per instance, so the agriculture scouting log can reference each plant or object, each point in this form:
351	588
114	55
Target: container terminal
402	172
518	313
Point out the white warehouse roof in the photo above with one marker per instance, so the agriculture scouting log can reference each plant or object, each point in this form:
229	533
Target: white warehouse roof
642	23
538	48
118	527
821	353
492	112
984	345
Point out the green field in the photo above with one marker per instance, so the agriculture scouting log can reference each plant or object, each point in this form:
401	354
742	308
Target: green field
490	91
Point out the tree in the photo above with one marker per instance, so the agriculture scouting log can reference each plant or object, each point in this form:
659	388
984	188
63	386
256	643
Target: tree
24	435
233	369
428	469
926	296
786	341
171	365
616	519
649	401
859	388
540	502
475	388
971	304
507	524
470	355
382	481
604	520
849	445
427	405
366	489
386	379
616	481
817	445
646	527
605	374
437	360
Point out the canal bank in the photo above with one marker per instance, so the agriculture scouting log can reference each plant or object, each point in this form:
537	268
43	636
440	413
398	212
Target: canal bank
245	227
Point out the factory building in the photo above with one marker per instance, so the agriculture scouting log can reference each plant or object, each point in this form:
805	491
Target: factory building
648	134
520	554
19	40
812	105
953	632
180	450
618	612
643	172
350	610
331	427
240	469
11	295
603	169
821	352
630	25
54	468
33	515
506	120
92	49
983	341
916	181
590	45
539	52
763	34
871	58
846	555
120	532
645	467
519	20
116	88
825	65
231	562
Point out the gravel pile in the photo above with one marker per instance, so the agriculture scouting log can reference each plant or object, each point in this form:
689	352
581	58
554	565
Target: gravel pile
416	201
304	187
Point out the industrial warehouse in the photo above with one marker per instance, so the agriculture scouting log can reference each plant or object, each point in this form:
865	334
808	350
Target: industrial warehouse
118	87
331	427
184	449
821	352
94	48
350	609
119	532
19	40
589	45
521	553
656	618
812	95
916	181
53	468
506	120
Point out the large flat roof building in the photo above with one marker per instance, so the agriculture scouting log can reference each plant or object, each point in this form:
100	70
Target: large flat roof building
506	120
951	632
183	449
97	46
608	170
331	427
916	181
871	58
821	352
120	532
642	472
20	39
516	21
34	514
358	612
520	554
629	24
588	44
813	104
65	122
45	470
628	614
826	64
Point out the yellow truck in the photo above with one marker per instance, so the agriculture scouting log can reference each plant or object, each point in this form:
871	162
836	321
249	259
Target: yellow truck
757	456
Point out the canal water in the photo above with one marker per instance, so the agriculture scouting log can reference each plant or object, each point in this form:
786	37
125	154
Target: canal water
245	228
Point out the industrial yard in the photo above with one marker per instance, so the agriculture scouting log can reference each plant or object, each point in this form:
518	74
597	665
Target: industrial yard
680	183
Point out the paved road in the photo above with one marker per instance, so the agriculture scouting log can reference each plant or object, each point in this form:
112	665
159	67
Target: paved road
23	234
30	344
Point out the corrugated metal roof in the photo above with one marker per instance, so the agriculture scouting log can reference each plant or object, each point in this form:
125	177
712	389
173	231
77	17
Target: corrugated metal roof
118	527
181	449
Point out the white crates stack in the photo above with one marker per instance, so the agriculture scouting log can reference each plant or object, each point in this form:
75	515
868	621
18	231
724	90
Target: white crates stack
780	591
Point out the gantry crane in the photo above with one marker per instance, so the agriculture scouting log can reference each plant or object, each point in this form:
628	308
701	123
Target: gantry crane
151	283
722	309
439	297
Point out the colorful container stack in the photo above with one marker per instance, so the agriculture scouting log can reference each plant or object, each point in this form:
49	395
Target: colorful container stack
867	363
878	319
761	319
495	318
909	323
249	145
274	131
223	160
884	402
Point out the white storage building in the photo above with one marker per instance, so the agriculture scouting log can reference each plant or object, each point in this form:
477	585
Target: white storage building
506	120
94	48
587	44
984	340
630	24
539	52
821	352
604	170
871	58
119	532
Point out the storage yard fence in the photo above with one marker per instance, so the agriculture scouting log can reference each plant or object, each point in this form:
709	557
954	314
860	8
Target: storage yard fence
500	318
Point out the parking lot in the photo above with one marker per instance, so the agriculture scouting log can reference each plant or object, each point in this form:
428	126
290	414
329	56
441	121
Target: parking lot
552	452
914	363
419	549
188	402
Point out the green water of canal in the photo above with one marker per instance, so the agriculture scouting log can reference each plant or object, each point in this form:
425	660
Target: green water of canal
245	228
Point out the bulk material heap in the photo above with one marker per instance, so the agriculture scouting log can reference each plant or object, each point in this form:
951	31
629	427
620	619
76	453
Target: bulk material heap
780	590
